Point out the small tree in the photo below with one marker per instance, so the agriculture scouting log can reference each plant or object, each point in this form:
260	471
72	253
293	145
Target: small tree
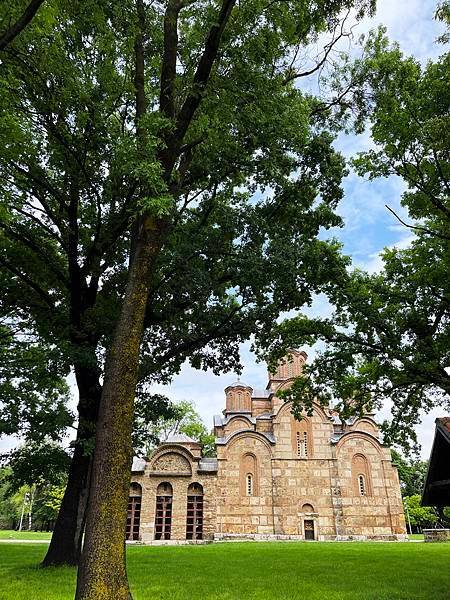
412	474
182	418
420	516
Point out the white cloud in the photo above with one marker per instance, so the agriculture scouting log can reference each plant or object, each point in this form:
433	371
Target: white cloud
373	263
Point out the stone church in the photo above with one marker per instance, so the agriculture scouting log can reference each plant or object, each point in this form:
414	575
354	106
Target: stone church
274	477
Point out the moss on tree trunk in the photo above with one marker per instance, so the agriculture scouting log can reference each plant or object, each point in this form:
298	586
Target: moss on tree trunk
102	573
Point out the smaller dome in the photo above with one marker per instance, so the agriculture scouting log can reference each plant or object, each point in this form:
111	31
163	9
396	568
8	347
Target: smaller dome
239	384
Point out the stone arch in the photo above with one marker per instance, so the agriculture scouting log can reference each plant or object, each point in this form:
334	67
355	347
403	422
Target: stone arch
171	460
287	407
309	521
195	488
367	425
349	435
249	475
238	423
135	489
361	479
164	489
237	435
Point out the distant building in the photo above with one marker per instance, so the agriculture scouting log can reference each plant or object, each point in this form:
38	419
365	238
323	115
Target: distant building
274	477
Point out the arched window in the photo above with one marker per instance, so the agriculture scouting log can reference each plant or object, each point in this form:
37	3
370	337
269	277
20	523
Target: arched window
194	517
361	476
301	437
362	485
249	484
163	515
134	512
249	475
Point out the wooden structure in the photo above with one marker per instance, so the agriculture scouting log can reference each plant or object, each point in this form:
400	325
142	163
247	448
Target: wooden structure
436	491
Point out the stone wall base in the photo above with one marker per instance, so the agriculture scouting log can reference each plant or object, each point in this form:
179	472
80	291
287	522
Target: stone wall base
387	537
255	537
436	535
239	537
259	537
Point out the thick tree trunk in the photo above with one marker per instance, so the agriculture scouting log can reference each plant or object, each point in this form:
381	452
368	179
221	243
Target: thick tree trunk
102	573
65	545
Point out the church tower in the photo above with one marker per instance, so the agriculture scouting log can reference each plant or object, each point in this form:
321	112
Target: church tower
291	366
238	398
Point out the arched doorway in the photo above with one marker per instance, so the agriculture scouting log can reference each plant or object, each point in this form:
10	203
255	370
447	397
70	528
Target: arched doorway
194	517
310	529
163	514
134	512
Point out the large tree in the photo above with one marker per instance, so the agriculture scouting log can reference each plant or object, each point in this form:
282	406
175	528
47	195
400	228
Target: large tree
235	89
389	336
89	140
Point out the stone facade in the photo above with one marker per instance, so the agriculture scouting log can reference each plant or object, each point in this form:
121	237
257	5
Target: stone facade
274	477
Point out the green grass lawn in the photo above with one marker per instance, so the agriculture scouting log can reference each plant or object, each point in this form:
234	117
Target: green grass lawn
250	571
10	534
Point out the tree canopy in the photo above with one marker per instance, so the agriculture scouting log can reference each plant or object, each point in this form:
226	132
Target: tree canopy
181	417
105	118
389	336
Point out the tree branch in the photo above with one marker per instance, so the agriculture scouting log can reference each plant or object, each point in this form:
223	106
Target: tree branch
29	282
328	48
16	28
169	60
417	227
203	71
37	251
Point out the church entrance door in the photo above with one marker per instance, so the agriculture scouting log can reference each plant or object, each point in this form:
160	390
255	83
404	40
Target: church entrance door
309	529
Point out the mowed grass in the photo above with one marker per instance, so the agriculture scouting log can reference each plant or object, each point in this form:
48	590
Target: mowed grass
250	571
10	534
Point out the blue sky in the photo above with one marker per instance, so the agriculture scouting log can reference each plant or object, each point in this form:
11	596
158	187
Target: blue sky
369	227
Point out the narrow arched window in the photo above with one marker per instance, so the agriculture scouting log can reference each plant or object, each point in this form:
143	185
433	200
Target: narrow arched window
361	476
249	484
249	479
362	485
